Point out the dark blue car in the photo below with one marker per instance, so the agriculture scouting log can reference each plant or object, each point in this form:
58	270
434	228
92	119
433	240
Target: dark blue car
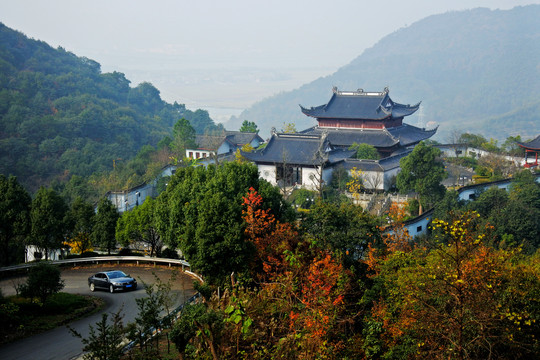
112	280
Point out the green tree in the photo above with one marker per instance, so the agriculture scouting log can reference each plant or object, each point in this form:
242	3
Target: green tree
104	341
511	147
200	324
105	225
43	281
14	220
48	220
147	320
203	216
249	127
342	228
183	137
81	222
139	225
448	204
422	172
473	140
365	151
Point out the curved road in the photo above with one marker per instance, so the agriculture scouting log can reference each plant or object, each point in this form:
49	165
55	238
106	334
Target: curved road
59	343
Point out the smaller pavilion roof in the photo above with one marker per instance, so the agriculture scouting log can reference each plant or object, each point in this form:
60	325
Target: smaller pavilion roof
385	164
297	149
239	138
360	105
234	138
533	144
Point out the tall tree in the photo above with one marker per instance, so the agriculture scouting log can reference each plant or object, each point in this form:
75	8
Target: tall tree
183	137
341	228
205	216
422	172
48	220
139	225
105	225
81	219
14	220
249	127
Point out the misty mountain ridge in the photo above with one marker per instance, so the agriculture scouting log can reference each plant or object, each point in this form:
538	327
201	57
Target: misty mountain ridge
474	71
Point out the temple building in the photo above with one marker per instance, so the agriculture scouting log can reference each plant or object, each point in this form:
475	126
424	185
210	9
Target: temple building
309	157
366	117
531	148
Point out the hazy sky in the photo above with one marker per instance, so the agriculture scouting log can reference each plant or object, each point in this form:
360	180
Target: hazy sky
149	37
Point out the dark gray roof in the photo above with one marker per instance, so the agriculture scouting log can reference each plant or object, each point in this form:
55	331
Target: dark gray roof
298	149
239	139
385	164
360	105
235	138
403	135
347	137
208	142
408	134
534	144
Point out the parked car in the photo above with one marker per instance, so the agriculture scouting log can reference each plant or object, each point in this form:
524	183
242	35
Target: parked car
112	280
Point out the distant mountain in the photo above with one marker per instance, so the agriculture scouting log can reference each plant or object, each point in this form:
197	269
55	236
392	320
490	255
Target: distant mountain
61	116
476	71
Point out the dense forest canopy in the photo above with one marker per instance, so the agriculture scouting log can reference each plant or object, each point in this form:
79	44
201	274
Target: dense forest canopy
474	71
61	116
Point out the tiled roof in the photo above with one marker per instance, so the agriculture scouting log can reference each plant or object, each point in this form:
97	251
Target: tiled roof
534	144
408	134
299	149
235	138
208	142
403	135
239	139
360	105
385	164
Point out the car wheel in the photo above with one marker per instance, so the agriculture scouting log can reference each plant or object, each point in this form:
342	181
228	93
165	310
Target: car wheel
111	289
92	287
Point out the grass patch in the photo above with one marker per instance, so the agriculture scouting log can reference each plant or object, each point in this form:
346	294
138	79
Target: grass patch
23	317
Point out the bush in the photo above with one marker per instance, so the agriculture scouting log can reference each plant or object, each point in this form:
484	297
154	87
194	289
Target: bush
43	281
412	207
89	254
125	252
63	303
170	254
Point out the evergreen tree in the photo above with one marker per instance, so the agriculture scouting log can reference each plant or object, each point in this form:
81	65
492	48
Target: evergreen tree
14	220
105	225
422	172
48	220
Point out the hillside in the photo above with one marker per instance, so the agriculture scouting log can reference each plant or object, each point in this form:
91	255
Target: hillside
61	116
473	70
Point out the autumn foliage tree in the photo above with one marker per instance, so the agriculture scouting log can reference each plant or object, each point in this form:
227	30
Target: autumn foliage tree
457	300
307	285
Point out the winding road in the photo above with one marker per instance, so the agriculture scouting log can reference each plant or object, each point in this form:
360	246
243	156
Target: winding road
59	343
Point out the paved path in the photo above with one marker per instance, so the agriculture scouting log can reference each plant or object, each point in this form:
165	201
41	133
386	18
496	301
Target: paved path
59	343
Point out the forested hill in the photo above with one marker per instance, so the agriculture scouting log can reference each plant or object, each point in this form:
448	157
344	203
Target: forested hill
475	70
61	116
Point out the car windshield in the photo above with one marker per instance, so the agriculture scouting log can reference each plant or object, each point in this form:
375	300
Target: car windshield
116	274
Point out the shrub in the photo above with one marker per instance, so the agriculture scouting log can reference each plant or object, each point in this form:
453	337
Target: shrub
43	281
89	254
125	252
170	254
